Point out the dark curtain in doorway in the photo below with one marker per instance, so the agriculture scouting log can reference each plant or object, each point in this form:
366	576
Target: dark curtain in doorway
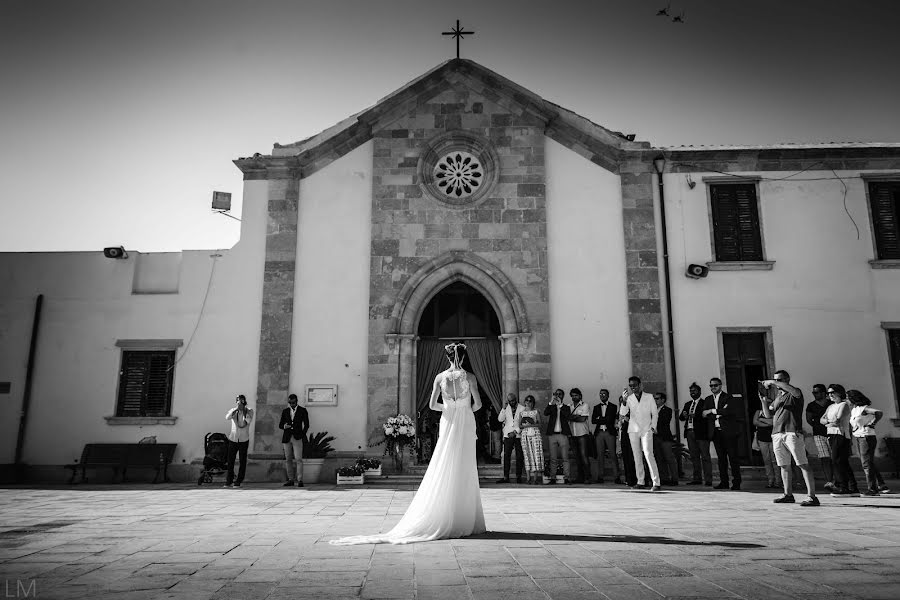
484	361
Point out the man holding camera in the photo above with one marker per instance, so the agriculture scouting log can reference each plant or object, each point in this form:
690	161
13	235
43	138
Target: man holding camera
238	440
295	423
510	416
640	408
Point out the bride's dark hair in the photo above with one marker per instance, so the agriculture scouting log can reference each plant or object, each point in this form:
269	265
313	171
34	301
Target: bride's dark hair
457	351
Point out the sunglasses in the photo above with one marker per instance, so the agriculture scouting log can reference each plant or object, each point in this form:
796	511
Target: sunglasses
712	385
633	385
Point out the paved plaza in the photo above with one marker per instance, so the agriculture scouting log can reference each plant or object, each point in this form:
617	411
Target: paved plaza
269	542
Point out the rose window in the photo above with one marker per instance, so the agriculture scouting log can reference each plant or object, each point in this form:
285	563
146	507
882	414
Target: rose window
458	174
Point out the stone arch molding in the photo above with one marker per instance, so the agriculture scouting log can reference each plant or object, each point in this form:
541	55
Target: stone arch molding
458	265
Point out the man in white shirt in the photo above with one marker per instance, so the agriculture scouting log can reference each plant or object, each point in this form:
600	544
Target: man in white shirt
238	440
510	416
581	435
640	407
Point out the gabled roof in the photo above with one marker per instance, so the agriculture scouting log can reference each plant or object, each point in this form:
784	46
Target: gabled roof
596	143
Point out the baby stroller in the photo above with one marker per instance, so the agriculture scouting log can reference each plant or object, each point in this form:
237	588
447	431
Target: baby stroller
215	446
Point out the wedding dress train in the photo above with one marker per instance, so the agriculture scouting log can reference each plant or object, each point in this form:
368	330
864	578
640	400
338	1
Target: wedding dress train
448	501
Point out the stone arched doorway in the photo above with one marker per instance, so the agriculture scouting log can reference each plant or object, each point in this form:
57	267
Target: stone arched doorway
432	277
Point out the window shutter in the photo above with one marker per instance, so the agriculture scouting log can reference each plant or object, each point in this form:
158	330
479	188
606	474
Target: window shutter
145	384
736	223
885	199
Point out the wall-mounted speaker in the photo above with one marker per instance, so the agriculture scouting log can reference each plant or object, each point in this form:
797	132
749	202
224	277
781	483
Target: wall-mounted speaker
696	271
115	252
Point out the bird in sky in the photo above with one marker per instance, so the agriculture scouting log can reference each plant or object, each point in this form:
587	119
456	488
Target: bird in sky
679	18
664	12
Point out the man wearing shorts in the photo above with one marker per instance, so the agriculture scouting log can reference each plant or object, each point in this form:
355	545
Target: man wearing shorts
787	434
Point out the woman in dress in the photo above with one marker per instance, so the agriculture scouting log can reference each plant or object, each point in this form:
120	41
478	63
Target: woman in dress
448	501
532	447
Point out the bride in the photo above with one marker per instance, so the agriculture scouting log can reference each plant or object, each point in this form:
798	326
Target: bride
448	502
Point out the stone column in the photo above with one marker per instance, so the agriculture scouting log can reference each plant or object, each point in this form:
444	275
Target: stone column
510	364
642	274
407	367
276	325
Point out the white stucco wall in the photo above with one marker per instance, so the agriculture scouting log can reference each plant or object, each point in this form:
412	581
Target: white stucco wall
331	320
589	338
89	306
824	302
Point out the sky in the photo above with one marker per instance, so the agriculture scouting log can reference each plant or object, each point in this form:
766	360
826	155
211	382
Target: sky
118	119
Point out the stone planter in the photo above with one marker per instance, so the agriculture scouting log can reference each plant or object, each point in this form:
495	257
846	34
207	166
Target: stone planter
312	467
350	479
373	472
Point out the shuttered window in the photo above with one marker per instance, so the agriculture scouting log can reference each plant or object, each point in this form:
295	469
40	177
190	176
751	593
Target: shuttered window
885	199
145	383
894	345
736	222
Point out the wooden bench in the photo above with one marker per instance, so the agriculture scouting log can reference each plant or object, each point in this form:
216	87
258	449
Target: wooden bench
124	456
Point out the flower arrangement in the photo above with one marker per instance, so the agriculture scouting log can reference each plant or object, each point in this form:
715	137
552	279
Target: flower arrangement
351	470
399	436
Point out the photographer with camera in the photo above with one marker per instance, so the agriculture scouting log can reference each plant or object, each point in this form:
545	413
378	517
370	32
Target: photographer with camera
558	432
238	440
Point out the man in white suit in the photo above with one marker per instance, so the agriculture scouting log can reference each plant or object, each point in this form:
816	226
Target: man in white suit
640	407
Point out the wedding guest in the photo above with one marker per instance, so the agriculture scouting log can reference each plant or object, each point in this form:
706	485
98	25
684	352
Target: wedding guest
558	433
663	440
238	440
698	436
764	439
625	446
787	433
581	435
641	408
532	445
510	416
604	418
863	419
294	424
815	410
836	420
723	412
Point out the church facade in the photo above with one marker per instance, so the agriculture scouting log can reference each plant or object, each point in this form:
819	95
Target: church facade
464	206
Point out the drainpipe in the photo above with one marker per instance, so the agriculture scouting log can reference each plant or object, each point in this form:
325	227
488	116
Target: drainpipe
659	163
26	394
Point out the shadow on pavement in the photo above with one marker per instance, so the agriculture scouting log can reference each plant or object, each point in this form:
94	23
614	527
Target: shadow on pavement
624	539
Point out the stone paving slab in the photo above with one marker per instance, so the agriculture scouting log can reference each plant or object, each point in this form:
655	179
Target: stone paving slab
604	542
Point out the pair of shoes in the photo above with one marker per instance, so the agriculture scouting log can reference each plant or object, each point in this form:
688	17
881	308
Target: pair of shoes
828	487
639	486
853	493
839	493
870	493
694	483
503	480
227	485
810	501
655	488
299	483
736	486
883	489
288	483
617	480
237	485
785	499
722	486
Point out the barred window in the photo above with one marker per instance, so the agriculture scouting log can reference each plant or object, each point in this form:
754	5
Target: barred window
884	197
735	215
145	383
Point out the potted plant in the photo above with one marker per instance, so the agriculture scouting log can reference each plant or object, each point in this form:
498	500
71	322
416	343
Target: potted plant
315	449
371	466
351	475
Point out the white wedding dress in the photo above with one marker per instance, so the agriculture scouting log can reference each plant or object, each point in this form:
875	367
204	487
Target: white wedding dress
448	502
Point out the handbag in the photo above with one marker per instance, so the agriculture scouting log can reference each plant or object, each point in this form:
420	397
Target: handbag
754	445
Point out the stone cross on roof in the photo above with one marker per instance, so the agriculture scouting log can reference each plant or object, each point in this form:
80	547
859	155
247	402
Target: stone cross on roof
457	32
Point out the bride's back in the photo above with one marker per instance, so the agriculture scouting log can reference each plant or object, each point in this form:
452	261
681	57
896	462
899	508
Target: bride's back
455	385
